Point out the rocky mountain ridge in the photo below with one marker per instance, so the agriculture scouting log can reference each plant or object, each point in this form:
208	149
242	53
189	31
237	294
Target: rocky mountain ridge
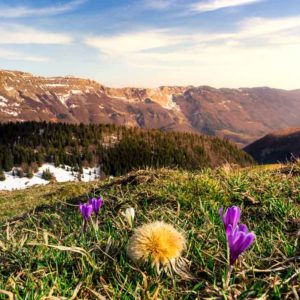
242	115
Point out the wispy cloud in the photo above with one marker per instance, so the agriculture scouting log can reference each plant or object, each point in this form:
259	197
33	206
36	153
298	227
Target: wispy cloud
19	34
14	55
211	5
158	4
22	11
264	26
126	43
255	45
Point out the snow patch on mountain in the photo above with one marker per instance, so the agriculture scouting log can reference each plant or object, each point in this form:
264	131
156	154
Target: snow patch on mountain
76	92
74	106
9	88
3	101
10	73
63	98
171	104
56	85
9	112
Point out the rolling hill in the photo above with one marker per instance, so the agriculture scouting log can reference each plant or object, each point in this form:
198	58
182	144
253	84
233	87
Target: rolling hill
279	146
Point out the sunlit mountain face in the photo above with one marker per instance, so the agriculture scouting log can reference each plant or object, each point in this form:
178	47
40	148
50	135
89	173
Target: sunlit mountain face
241	115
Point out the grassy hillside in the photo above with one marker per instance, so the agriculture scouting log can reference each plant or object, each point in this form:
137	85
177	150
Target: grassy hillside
44	254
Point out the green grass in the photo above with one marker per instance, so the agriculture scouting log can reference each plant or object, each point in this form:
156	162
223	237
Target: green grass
18	202
43	254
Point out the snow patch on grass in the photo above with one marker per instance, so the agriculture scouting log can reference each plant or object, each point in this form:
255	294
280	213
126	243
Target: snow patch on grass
61	175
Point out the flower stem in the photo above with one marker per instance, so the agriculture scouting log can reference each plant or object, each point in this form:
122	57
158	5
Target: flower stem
84	227
228	276
97	218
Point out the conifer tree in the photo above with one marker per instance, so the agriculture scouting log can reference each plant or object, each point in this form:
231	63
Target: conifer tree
8	163
30	173
2	175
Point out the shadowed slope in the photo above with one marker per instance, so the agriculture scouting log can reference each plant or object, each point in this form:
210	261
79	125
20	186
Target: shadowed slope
279	146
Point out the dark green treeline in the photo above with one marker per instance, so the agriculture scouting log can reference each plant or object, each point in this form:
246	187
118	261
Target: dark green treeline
117	149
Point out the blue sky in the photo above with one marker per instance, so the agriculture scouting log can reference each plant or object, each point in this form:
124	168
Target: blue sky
147	43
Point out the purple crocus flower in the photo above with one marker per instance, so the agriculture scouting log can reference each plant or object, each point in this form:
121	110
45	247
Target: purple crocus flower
86	212
239	240
231	216
96	204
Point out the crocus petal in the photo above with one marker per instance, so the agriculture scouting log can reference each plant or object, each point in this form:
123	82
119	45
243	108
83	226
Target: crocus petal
230	236
86	210
243	228
81	207
227	217
247	241
235	246
242	242
89	210
239	238
235	216
231	216
96	203
100	202
229	230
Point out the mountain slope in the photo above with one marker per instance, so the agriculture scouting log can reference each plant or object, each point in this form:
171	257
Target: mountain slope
279	146
74	100
242	115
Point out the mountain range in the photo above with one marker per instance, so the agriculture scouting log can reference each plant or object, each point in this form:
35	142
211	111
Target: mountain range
242	115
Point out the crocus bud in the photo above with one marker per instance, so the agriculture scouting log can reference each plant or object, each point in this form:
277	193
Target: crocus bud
96	203
231	216
86	211
129	215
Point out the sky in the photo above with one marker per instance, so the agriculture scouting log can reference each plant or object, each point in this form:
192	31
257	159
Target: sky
150	43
